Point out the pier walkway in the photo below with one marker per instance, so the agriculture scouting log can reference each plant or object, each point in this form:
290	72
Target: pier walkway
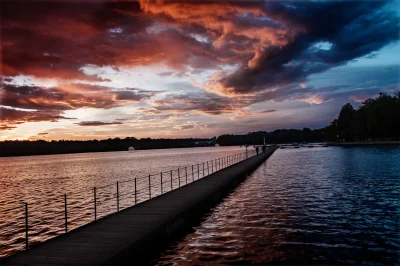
130	236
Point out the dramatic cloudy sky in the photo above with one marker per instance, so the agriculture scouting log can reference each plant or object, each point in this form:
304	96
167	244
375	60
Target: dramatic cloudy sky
99	69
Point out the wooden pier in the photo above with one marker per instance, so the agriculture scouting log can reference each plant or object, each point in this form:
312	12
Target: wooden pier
132	236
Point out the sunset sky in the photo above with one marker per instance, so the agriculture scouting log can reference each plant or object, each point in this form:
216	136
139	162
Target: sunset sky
100	69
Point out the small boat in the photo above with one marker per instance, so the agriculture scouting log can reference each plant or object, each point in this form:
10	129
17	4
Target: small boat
131	149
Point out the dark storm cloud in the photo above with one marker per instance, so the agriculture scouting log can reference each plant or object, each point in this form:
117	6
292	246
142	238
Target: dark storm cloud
206	103
67	97
267	111
351	28
36	103
132	94
6	127
33	97
9	117
63	36
187	127
97	123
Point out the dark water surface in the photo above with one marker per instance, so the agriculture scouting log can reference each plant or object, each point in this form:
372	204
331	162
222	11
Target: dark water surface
322	205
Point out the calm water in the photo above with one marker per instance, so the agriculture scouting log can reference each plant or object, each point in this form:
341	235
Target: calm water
42	181
323	205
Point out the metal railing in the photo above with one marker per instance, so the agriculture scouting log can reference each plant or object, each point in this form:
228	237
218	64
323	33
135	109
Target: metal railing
72	209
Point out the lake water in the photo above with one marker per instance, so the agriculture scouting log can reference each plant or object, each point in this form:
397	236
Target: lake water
323	205
42	181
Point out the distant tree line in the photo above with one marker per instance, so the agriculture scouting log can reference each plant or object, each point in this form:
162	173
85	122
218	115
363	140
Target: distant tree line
375	120
277	136
40	147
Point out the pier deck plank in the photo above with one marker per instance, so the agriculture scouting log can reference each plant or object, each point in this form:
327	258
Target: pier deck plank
98	242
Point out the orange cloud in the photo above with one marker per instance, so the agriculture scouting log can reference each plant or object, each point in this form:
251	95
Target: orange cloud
34	103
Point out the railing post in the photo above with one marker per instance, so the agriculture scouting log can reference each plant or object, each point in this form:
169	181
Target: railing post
26	226
161	184
192	174
186	174
65	213
135	193
212	166
95	203
117	196
198	171
179	178
171	180
203	170
208	169
149	186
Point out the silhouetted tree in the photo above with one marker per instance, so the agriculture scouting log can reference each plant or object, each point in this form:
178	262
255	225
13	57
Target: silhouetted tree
345	122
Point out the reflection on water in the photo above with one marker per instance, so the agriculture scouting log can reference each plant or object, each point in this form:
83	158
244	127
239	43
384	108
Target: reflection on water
323	205
43	181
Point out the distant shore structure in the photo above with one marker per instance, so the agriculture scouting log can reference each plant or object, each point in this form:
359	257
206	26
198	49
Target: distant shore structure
131	149
216	145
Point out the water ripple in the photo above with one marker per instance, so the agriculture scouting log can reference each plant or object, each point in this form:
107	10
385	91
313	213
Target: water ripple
324	205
